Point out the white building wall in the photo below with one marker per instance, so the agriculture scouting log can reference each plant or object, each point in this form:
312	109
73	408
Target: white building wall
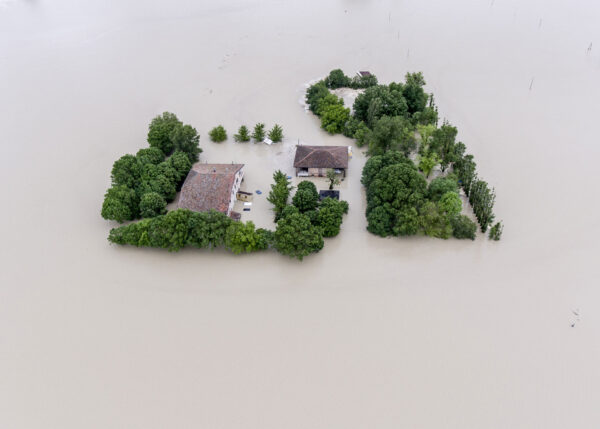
237	182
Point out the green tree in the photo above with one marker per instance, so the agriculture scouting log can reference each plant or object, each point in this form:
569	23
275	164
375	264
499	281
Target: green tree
296	237
428	162
362	134
376	163
351	126
280	192
126	171
242	135
333	178
416	98
426	132
328	101
392	133
276	134
390	194
186	139
443	143
314	94
330	216
152	204
180	163
218	134
120	204
439	186
154	179
337	79
428	116
159	132
433	222
306	197
378	101
482	200
334	117
150	155
244	238
463	227
450	204
496	231
407	222
363	81
259	132
379	221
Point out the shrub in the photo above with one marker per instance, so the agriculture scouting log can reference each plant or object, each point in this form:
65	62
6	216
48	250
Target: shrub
218	134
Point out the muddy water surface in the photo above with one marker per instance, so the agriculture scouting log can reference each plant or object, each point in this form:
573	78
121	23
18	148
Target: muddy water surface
370	332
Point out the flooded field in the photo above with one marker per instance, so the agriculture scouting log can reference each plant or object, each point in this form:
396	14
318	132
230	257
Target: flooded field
369	332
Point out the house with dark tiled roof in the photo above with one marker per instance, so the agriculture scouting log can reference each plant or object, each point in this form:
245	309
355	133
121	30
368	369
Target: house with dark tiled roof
316	160
211	187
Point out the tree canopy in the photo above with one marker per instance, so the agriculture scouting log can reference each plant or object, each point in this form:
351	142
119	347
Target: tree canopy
392	133
296	237
218	134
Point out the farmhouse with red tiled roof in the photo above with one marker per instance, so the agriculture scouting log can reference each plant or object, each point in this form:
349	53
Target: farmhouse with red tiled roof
316	160
211	187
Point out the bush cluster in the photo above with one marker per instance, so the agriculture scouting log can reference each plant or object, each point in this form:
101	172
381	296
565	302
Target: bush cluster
184	228
219	134
337	79
400	203
143	184
302	225
401	117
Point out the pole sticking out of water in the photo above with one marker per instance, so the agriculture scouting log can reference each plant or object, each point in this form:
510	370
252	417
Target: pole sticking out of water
531	84
408	53
540	24
390	17
589	49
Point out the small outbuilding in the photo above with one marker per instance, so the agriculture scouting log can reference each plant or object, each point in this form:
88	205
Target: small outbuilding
329	194
244	196
364	74
316	160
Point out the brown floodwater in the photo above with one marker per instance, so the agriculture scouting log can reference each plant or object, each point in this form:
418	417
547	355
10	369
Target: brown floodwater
370	332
